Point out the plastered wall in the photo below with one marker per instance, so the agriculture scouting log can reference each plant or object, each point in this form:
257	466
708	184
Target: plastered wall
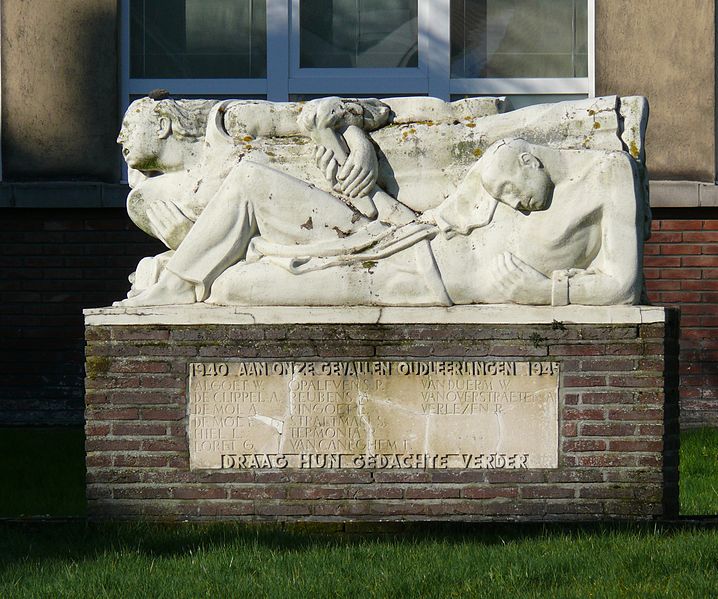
664	49
59	89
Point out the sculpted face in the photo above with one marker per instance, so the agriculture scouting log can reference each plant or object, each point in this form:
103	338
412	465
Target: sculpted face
516	178
140	136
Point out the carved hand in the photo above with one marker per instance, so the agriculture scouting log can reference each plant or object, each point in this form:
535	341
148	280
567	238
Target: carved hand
328	113
519	282
135	178
168	223
359	172
327	163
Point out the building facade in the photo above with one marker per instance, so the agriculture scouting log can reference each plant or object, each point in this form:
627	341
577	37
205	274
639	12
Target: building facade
68	70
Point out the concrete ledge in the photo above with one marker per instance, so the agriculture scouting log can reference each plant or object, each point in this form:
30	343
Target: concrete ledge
63	194
483	314
683	194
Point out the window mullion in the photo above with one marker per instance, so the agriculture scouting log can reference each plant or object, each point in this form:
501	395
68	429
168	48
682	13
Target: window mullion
591	48
278	34
124	73
435	40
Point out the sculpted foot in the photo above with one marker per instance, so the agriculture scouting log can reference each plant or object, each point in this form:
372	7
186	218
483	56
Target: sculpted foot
168	290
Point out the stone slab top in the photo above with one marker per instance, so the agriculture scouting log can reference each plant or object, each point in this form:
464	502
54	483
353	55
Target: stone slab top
204	314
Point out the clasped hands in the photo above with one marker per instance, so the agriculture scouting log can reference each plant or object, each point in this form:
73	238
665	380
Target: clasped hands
356	177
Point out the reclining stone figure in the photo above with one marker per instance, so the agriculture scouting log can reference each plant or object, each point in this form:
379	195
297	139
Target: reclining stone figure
508	221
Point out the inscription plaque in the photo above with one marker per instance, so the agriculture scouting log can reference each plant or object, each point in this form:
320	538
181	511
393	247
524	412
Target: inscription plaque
373	414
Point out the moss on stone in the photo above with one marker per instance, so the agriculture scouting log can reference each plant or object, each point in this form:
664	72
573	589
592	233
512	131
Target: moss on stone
96	366
466	151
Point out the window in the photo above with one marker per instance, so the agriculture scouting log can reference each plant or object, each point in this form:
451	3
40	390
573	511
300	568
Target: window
358	34
516	38
198	39
281	49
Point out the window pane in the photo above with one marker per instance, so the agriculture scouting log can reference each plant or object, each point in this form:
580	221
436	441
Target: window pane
198	38
519	38
358	33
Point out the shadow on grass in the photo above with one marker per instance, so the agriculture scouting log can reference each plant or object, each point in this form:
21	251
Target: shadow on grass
79	541
43	472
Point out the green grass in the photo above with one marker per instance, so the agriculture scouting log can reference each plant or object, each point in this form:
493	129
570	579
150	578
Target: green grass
136	560
699	472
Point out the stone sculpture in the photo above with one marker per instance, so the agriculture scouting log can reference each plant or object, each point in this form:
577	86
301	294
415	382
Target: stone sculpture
403	202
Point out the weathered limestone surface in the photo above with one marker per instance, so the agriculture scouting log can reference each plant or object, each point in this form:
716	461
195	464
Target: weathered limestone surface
616	423
307	347
485	315
398	202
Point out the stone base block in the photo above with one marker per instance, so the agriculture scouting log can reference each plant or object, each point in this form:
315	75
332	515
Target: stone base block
556	413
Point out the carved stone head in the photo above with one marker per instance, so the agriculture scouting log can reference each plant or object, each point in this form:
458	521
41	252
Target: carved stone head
513	174
149	124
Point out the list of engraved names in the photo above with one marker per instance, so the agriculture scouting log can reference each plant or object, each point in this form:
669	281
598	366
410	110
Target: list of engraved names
373	414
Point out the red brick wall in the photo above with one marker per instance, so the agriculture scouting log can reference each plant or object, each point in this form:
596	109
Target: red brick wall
681	268
618	433
54	263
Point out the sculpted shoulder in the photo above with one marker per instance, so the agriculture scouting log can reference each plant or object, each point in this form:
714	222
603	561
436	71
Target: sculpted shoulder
619	178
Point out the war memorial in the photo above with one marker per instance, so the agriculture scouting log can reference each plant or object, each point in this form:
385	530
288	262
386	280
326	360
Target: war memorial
396	309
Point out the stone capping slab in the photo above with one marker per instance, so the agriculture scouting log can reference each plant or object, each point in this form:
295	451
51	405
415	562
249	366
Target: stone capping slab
204	314
683	194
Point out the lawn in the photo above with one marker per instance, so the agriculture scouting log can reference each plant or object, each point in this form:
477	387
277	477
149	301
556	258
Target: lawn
229	560
699	472
136	560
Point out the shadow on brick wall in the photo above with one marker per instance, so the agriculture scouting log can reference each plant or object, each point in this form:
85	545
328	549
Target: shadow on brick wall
54	263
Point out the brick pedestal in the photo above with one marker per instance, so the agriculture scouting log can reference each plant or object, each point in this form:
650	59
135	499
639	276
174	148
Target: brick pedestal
618	414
